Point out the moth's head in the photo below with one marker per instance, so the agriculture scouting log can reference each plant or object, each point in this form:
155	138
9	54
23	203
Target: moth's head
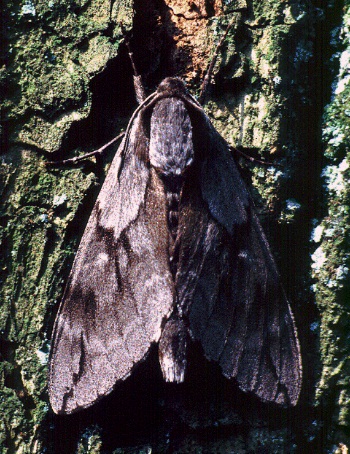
172	86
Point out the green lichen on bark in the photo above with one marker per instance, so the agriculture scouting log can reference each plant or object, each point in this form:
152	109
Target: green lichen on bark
266	54
331	258
54	49
90	441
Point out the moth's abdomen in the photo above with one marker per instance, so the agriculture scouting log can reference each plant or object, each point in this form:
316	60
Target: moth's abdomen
173	187
173	193
173	349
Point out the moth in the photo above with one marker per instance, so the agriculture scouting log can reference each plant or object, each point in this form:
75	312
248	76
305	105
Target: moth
173	252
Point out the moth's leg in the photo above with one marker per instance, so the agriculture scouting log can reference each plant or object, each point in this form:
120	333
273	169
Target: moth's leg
87	155
209	73
235	150
139	89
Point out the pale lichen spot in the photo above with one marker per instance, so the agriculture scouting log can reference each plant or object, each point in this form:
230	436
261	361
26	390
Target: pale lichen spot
316	234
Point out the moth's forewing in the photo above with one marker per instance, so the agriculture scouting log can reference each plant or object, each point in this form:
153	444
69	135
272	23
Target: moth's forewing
236	305
120	288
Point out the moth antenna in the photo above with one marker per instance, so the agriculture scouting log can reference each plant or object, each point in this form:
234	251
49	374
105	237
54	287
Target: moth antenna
209	73
76	159
138	86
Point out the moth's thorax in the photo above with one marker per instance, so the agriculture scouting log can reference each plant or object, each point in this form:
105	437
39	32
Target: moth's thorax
171	146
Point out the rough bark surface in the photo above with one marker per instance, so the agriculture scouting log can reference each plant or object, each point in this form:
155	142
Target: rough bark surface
66	88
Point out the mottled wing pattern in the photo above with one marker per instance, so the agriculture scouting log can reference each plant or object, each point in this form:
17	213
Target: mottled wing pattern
228	283
120	288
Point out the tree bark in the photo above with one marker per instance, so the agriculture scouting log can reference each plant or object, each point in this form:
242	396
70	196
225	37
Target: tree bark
280	93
